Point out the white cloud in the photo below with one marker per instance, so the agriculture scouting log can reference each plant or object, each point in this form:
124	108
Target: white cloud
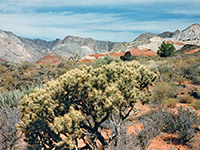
98	26
19	16
22	4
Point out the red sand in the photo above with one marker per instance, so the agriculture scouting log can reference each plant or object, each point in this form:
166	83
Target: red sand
192	51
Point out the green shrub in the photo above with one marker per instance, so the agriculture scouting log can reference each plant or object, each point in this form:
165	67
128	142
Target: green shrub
12	98
75	105
166	50
106	60
196	104
127	57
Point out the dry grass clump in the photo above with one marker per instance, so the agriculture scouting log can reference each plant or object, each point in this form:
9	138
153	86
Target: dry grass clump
185	99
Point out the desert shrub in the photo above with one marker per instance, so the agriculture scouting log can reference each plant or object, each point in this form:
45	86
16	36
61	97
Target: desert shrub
2	68
9	79
196	104
106	60
196	80
185	99
125	141
12	98
171	102
25	65
75	58
181	123
162	91
152	126
61	65
75	105
166	50
9	117
190	70
127	57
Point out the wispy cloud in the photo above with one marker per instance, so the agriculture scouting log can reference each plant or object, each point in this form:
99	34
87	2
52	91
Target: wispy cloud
50	19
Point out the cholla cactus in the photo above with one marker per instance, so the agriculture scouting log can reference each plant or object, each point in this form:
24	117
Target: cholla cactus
75	105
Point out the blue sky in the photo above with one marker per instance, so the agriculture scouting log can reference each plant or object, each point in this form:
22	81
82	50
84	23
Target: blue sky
112	20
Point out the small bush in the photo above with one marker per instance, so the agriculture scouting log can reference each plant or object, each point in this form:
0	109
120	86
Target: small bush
161	91
127	57
181	123
12	98
196	104
185	99
2	69
9	117
196	80
170	102
152	126
106	60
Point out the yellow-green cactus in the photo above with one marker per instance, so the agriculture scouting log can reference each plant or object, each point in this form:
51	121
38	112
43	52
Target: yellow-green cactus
76	104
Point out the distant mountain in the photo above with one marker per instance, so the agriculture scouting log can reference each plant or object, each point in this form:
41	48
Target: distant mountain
72	45
168	34
190	33
145	37
16	49
13	49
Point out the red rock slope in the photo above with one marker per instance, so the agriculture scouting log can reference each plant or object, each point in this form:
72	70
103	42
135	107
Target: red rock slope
192	51
50	59
135	52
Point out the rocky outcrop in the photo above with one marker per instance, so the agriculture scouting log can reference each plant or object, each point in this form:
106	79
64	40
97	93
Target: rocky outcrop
168	34
50	59
12	49
16	49
190	33
145	37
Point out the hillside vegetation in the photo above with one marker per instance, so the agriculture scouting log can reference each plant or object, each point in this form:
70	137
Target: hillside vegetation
93	105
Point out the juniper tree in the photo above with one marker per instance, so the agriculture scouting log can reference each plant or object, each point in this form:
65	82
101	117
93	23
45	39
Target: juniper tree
73	107
166	50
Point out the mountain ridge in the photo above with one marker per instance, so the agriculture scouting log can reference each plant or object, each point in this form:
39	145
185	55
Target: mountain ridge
17	49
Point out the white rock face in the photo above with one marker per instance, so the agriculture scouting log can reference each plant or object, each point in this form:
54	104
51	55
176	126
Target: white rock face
92	58
155	43
190	33
12	49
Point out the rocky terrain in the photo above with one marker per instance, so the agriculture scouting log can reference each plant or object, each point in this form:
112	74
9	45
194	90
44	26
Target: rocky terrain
190	35
16	49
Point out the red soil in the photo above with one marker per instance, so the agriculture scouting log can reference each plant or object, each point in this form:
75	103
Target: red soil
94	55
134	52
176	43
2	60
50	59
192	51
